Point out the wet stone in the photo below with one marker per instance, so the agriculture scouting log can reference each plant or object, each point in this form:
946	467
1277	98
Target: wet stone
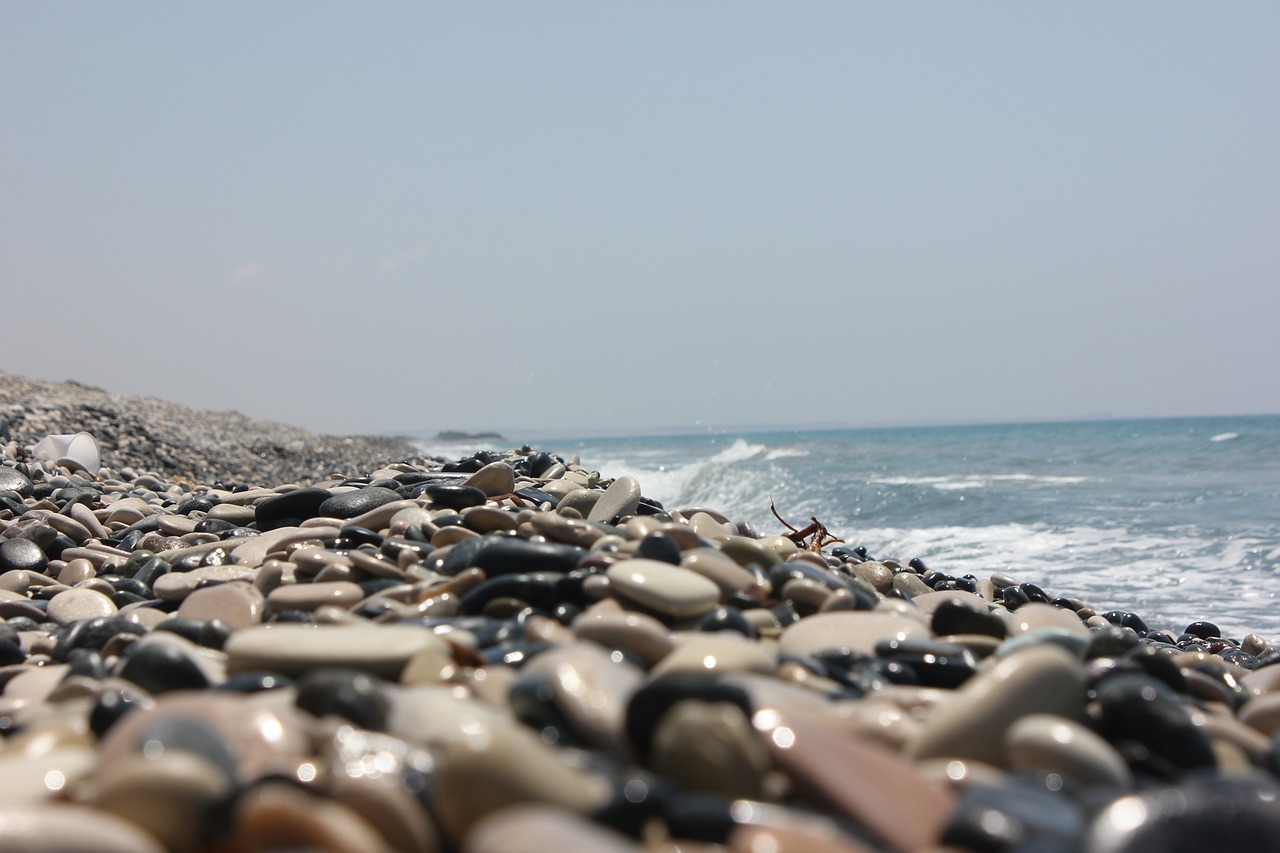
22	554
353	695
14	481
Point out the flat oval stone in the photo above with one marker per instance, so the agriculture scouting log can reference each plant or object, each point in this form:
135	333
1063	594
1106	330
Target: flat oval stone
12	480
486	772
667	589
66	828
1034	616
723	651
355	503
1062	746
292	649
299	504
590	690
175	586
722	571
22	554
309	597
542	827
710	746
858	630
621	498
239	604
637	633
1041	679
76	604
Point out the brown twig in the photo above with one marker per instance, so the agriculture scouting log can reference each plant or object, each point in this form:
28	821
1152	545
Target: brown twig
816	532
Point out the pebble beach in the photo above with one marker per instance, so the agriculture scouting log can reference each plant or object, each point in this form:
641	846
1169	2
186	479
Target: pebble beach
222	634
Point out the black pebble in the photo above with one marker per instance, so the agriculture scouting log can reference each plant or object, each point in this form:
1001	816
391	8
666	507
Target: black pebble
159	668
966	617
346	693
15	481
727	619
22	554
298	504
351	504
509	554
648	704
111	705
659	546
1146	711
450	496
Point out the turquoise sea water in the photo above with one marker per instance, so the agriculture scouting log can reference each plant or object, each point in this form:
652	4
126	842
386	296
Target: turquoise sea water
1177	520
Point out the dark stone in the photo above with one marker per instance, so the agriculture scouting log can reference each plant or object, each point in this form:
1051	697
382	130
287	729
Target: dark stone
1034	593
454	496
152	569
253	681
533	701
647	705
216	526
509	554
966	617
299	504
785	613
659	546
182	733
536	495
1158	664
87	662
347	693
1143	710
540	462
203	503
351	504
727	619
12	480
111	705
159	668
1014	817
540	590
356	536
11	502
11	651
1109	642
1126	619
1207	812
22	554
1203	630
68	495
1013	597
92	634
935	664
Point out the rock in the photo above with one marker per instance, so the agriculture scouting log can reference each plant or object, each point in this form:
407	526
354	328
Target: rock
663	588
856	630
290	649
621	498
299	504
1058	745
12	480
1042	679
358	502
74	605
22	554
494	479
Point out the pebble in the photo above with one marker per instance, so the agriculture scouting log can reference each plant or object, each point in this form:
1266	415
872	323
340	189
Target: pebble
299	668
661	587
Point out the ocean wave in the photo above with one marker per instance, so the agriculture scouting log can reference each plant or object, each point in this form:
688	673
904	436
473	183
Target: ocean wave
1224	436
980	481
786	453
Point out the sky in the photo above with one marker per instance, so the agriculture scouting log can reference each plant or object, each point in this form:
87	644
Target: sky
570	217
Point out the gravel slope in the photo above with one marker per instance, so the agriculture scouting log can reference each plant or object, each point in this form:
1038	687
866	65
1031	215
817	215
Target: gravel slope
178	441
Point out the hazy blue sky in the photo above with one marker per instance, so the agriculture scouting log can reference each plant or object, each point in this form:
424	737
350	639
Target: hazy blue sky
580	216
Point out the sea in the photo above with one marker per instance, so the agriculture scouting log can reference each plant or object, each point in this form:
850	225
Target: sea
1175	519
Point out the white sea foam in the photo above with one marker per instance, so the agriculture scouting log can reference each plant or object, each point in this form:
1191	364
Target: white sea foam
1225	436
786	453
951	483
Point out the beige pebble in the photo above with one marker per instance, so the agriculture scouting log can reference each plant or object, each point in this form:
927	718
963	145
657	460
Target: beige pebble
76	604
237	603
1062	746
309	597
292	649
724	651
858	630
662	587
66	828
637	633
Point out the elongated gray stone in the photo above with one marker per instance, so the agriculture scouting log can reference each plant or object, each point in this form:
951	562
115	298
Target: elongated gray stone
621	498
293	649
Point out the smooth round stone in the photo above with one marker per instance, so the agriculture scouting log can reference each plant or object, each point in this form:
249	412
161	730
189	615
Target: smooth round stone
1041	679
910	585
487	519
510	555
30	776
956	616
722	571
76	571
858	630
723	651
65	828
175	586
1034	616
541	827
1143	709
1262	713
486	772
494	479
569	531
582	501
170	795
1220	812
292	649
352	695
280	816
621	498
454	495
590	690
238	604
309	597
710	746
1062	746
351	504
664	588
161	666
636	633
299	504
22	554
878	575
12	480
76	604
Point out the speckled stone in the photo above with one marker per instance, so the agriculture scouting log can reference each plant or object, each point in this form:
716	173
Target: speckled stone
76	604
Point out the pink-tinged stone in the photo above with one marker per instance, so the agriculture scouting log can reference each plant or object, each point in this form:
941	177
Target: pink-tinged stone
886	794
65	828
312	596
239	604
538	827
858	630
